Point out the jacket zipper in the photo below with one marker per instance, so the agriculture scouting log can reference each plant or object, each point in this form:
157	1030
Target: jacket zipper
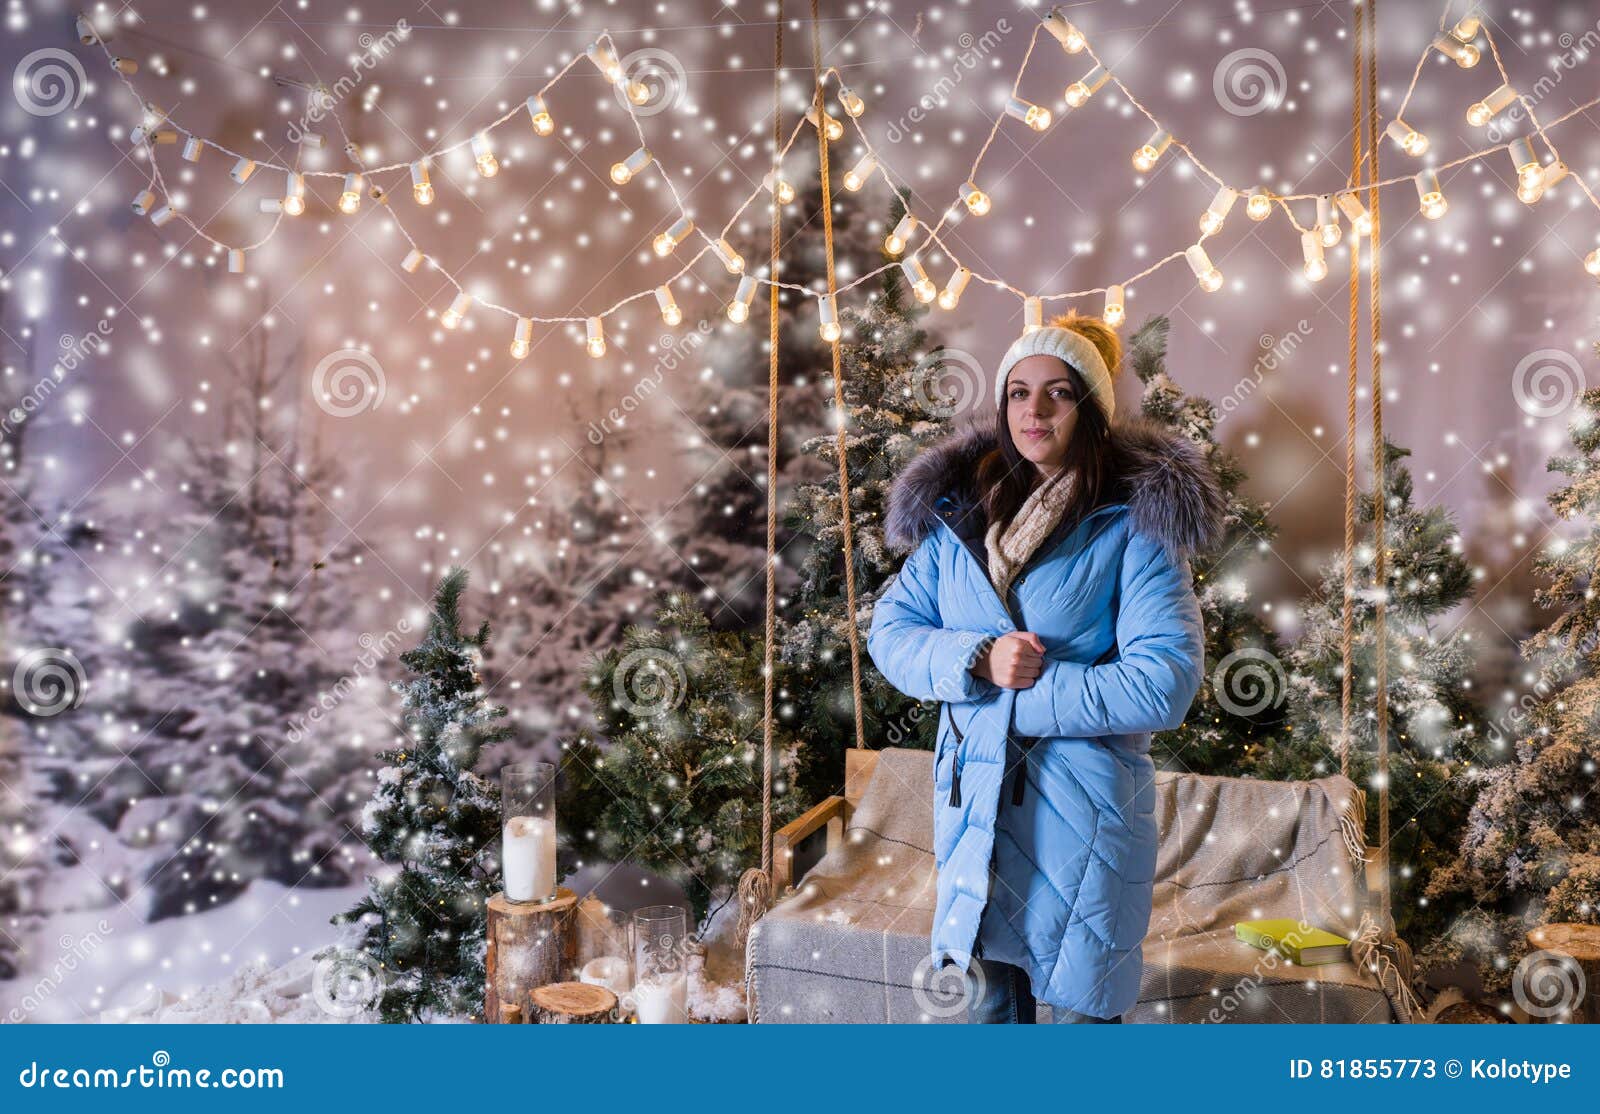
955	762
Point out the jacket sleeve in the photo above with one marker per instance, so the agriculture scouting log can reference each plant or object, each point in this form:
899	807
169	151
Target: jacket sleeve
1158	670
912	648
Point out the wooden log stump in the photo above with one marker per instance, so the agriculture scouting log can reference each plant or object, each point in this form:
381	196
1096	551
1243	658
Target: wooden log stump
528	945
572	1003
1581	944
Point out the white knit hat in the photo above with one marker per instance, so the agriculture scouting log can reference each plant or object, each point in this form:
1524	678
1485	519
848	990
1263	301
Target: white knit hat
1071	348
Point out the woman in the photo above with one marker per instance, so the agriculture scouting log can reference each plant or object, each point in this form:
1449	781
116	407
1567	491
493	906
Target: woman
1048	603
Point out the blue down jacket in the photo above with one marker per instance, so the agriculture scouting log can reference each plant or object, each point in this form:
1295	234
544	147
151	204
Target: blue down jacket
1044	825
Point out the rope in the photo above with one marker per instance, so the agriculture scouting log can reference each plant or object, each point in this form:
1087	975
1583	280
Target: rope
1380	567
755	885
841	440
1347	606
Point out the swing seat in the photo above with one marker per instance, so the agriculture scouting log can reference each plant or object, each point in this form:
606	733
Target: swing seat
850	943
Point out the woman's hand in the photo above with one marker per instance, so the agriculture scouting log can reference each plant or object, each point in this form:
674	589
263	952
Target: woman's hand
1014	661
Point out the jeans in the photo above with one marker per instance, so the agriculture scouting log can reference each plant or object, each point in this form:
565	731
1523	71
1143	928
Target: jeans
999	994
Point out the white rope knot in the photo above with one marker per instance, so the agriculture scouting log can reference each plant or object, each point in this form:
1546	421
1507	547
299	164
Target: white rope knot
755	898
1371	951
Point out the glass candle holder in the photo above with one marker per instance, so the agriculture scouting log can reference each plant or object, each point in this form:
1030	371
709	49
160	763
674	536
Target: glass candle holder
528	831
660	965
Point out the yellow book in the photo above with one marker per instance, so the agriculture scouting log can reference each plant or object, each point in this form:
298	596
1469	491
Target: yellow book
1296	941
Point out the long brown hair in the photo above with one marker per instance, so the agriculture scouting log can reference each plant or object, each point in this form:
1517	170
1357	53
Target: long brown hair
1006	477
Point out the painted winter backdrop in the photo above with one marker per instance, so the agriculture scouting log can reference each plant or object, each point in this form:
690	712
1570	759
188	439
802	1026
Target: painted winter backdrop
236	558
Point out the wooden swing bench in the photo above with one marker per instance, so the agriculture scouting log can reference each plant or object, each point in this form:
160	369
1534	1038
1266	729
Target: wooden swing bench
850	941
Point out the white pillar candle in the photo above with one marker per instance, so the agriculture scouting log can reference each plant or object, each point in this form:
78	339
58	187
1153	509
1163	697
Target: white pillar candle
528	858
662	999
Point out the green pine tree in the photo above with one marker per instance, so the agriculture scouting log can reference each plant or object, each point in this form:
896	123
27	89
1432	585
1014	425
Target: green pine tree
677	789
432	818
1529	853
1223	727
1434	732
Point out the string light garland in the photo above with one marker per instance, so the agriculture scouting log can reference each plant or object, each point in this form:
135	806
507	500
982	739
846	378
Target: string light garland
1535	177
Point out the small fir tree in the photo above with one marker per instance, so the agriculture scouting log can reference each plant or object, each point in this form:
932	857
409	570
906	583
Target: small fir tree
433	819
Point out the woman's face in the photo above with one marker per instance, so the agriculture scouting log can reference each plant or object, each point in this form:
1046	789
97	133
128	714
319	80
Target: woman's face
1041	410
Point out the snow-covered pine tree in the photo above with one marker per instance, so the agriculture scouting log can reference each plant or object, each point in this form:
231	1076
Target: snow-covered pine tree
1223	727
900	394
434	821
1434	723
1529	853
677	787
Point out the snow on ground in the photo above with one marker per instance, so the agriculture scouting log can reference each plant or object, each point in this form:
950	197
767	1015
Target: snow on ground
110	965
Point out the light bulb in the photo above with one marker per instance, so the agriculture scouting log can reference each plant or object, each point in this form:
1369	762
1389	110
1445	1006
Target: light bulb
1035	116
951	294
833	129
828	318
1032	314
459	305
1530	173
895	242
739	308
1327	222
85	29
921	285
1407	138
1145	157
857	175
1081	90
1070	38
637	92
539	116
483	155
1484	111
671	315
143	202
595	339
605	62
125	66
1360	219
667	242
732	260
270	205
622	173
314	140
779	188
294	195
1467	29
1200	263
412	261
1259	207
236	261
522	339
1316	261
163	215
853	105
421	187
193	148
1211	220
242	170
1431	195
350	196
1116	311
977	201
1591	262
1462	54
1530	193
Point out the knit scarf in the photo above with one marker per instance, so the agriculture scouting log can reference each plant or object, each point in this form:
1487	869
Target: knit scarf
1039	514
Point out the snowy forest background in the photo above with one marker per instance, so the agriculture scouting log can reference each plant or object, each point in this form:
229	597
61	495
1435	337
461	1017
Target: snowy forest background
235	560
